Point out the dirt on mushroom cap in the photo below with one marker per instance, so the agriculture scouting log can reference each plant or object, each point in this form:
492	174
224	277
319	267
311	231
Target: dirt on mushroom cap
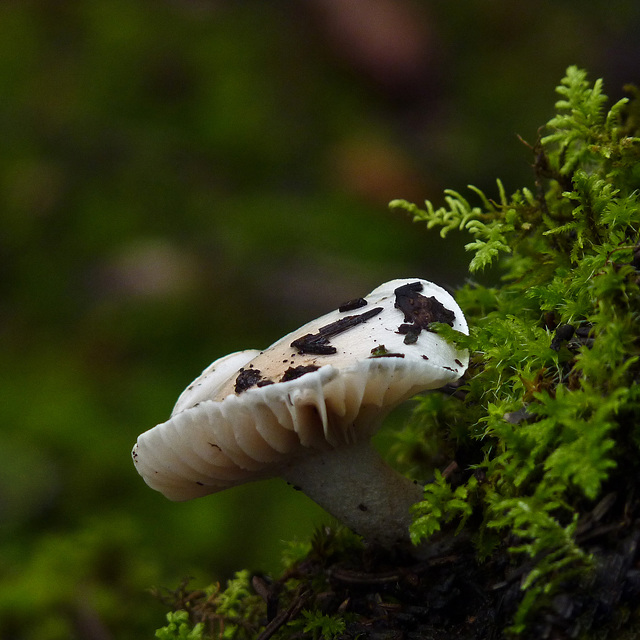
393	310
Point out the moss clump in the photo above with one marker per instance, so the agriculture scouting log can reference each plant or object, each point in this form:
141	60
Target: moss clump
550	417
535	457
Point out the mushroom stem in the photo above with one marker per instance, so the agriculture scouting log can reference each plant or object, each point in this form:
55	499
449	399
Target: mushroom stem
357	487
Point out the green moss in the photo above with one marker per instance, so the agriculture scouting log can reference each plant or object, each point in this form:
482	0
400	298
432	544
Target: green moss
535	458
178	628
551	402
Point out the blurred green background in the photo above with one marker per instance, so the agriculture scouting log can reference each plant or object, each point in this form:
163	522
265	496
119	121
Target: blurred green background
162	163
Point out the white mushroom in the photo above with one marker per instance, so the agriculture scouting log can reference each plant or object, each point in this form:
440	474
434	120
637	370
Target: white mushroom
305	409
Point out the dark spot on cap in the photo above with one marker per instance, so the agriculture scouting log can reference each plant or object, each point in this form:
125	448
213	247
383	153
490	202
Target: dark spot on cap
314	344
419	311
318	343
295	372
458	362
246	379
357	303
411	332
363	507
200	483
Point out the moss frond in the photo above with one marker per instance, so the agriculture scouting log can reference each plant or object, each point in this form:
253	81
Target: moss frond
555	348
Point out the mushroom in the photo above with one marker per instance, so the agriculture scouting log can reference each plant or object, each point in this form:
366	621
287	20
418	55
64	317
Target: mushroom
306	407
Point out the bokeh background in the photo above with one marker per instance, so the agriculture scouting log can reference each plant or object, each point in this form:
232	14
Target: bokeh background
182	179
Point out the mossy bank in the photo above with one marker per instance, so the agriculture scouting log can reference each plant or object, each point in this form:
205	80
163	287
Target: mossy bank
533	461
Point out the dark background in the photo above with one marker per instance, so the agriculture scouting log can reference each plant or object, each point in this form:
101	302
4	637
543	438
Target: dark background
179	180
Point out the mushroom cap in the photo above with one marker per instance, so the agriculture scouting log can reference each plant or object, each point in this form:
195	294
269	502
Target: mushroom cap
326	385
